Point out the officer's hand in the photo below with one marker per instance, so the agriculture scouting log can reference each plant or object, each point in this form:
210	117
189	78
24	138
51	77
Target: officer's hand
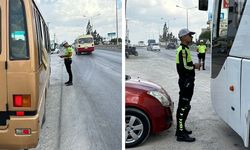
197	66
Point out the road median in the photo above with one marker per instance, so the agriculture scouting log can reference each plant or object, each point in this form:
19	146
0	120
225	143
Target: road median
117	48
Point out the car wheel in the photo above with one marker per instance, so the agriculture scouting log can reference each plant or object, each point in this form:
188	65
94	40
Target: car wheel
137	128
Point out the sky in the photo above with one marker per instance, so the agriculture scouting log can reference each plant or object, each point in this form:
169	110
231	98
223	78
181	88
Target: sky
146	18
68	19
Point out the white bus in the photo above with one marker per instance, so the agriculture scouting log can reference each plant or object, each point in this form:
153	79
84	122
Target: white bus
84	43
230	64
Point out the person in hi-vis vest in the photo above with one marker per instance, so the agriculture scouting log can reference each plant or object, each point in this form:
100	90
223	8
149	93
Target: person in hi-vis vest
202	49
67	61
185	69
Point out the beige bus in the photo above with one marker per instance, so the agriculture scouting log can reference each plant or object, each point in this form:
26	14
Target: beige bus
84	44
24	73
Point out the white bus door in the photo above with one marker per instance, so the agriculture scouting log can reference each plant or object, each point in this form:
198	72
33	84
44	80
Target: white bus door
234	92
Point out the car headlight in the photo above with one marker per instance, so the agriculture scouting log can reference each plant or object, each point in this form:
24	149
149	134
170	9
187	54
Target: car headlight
162	98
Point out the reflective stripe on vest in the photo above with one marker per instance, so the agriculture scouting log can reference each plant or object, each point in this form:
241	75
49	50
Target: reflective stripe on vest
186	59
202	48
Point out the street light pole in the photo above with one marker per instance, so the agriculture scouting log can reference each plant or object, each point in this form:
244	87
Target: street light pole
186	11
187	17
116	22
168	20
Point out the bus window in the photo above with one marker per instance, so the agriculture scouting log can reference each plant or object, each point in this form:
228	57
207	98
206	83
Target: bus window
85	40
236	9
18	31
38	36
227	25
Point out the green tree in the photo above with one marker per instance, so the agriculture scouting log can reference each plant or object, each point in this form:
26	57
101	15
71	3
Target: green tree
89	28
114	40
205	35
165	31
96	36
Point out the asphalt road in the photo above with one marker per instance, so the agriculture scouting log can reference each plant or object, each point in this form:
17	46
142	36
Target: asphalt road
87	115
210	131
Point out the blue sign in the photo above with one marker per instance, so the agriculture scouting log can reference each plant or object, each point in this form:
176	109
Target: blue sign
111	34
222	16
18	35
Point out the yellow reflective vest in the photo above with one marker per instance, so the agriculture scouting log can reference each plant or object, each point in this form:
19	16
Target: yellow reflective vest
202	48
184	63
68	51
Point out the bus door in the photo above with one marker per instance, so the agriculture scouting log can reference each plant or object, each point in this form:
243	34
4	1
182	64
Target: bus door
3	64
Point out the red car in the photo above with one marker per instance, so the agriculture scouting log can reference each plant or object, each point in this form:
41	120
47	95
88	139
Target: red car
148	110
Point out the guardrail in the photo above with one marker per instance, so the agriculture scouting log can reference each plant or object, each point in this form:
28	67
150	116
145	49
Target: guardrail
117	48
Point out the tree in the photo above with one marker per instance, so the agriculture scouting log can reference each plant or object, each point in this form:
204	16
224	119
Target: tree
89	28
96	36
165	31
114	40
205	35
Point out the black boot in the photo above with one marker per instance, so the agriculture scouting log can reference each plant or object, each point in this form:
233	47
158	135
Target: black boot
69	83
184	137
203	66
187	131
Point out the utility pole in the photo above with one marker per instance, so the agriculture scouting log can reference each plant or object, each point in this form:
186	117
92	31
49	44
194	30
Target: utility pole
54	41
116	22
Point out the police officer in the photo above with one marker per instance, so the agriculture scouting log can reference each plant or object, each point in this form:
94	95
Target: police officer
185	69
67	61
201	49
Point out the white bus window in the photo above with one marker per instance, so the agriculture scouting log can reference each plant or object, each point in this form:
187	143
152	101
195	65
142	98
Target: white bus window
228	20
85	40
236	9
18	31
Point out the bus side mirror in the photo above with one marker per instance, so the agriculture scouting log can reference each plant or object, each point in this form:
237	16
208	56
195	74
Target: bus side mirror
203	5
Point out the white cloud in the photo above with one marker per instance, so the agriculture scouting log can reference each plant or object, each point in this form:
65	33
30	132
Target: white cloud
144	18
67	19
